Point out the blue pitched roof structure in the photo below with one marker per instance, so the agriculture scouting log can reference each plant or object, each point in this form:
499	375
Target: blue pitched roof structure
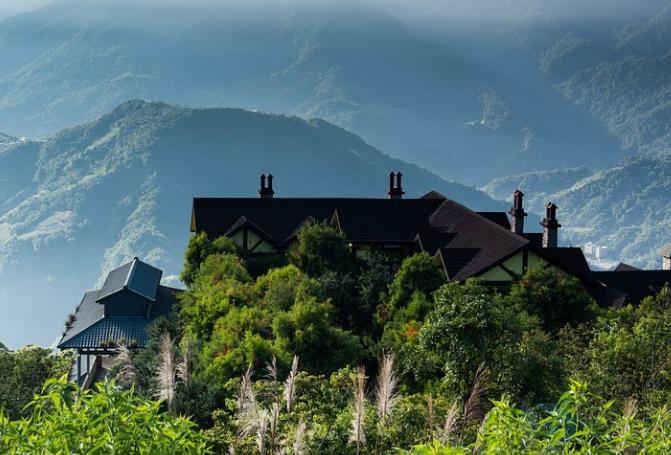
94	328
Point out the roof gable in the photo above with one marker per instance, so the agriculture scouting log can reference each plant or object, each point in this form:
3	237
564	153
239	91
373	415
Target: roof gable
362	220
475	232
136	276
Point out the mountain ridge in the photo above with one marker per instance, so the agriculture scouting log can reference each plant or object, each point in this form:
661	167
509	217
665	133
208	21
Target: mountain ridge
122	185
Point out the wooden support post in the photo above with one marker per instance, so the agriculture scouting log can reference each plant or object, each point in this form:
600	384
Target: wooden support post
79	369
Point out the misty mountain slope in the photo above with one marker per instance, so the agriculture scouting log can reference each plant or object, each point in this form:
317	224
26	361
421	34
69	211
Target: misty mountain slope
537	186
425	101
97	194
621	75
624	208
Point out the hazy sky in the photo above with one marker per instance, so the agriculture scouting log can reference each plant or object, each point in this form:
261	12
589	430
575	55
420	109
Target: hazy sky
504	9
9	7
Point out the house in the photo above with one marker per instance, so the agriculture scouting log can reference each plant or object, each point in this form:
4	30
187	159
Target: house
491	246
117	314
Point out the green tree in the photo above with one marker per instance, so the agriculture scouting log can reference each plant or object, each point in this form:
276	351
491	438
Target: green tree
409	292
321	248
555	297
629	355
221	283
198	249
22	374
307	331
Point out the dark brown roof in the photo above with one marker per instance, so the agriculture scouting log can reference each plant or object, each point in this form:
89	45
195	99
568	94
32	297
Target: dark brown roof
472	231
571	260
362	220
499	218
471	241
636	284
622	267
535	238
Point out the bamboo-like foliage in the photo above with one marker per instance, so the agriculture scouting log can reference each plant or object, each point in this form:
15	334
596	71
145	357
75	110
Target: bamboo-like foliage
166	371
357	432
385	390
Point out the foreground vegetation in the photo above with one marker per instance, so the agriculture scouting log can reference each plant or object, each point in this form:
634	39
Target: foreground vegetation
328	352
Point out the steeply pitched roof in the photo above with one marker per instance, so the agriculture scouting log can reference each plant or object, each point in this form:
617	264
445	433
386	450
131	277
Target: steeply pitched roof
570	259
636	284
623	267
499	218
91	328
88	312
135	276
472	231
362	220
455	259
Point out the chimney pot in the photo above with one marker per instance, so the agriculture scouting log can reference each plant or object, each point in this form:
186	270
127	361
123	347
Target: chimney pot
550	226
266	190
517	213
395	187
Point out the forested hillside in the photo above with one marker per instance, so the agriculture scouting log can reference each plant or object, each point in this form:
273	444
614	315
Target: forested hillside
122	186
329	353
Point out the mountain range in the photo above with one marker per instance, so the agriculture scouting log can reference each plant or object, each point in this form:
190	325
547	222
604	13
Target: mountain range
570	108
441	102
85	200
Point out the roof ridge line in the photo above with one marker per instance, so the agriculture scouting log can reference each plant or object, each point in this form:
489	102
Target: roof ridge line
131	272
509	233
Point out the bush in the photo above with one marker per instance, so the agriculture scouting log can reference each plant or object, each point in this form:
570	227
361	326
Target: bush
64	419
321	248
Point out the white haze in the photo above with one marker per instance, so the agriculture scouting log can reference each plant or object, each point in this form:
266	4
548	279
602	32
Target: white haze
485	10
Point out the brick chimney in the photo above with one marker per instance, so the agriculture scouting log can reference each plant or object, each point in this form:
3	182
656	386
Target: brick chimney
666	257
266	190
517	213
395	186
550	226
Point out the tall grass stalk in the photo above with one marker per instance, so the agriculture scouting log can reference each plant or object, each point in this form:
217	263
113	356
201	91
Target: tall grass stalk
290	384
357	433
127	374
165	373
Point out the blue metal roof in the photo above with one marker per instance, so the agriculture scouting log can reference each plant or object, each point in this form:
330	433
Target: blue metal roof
92	329
135	276
113	330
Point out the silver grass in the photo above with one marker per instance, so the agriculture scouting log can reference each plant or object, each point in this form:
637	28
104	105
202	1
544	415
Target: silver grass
385	390
430	417
450	426
127	373
271	370
274	423
261	430
249	415
357	434
474	409
165	373
290	384
184	365
299	439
